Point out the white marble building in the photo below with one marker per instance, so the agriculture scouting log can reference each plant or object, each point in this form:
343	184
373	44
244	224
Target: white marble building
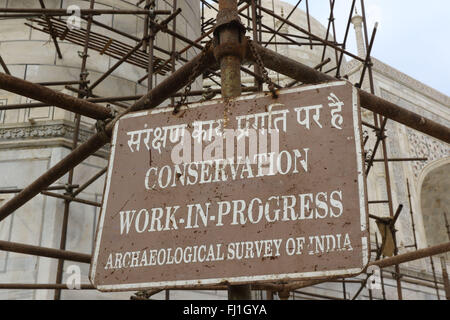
33	140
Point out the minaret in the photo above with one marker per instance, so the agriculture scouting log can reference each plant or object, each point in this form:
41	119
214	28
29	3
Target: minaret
357	24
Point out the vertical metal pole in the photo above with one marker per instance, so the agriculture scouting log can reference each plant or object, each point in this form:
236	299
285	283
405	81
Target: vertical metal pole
172	58
83	86
386	163
344	289
445	278
151	45
203	17
150	60
412	215
309	24
383	292
415	240
397	268
230	70
257	70
444	265
146	26
230	65
447	226
174	42
259	15
434	278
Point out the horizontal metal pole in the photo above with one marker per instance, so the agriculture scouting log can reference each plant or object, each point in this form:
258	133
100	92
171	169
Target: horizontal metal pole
43	286
411	256
315	295
401	159
70	198
377	201
64	12
61	100
44	252
60	83
305	74
402	258
73	186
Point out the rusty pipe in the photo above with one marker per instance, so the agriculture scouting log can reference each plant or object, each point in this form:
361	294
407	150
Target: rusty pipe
54	98
305	74
229	37
151	100
42	286
44	252
411	256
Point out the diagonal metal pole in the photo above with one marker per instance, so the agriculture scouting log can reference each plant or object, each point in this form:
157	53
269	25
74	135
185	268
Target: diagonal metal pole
4	66
306	74
52	33
152	99
89	182
341	56
54	98
282	23
116	65
330	19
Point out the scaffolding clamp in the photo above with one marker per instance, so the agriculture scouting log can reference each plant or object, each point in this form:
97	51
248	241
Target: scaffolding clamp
229	19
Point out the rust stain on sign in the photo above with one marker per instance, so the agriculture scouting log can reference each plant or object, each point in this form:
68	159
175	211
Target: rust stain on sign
201	212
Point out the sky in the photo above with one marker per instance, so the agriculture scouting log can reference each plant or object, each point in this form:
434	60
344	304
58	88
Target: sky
413	36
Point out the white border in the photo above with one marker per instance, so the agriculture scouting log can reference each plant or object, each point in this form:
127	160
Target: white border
296	276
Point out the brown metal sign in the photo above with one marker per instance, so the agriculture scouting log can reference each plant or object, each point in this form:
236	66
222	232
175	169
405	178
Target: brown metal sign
257	189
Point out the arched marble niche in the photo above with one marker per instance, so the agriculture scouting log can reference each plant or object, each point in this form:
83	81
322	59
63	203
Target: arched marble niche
435	200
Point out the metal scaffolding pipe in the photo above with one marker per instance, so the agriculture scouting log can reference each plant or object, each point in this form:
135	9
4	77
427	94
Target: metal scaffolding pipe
228	34
77	156
171	84
151	100
42	286
305	74
65	12
402	258
44	252
411	256
403	116
54	98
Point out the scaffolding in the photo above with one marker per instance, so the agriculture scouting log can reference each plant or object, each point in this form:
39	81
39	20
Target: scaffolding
222	65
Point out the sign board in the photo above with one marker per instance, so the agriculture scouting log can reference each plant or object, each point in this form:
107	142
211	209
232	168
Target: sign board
198	198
